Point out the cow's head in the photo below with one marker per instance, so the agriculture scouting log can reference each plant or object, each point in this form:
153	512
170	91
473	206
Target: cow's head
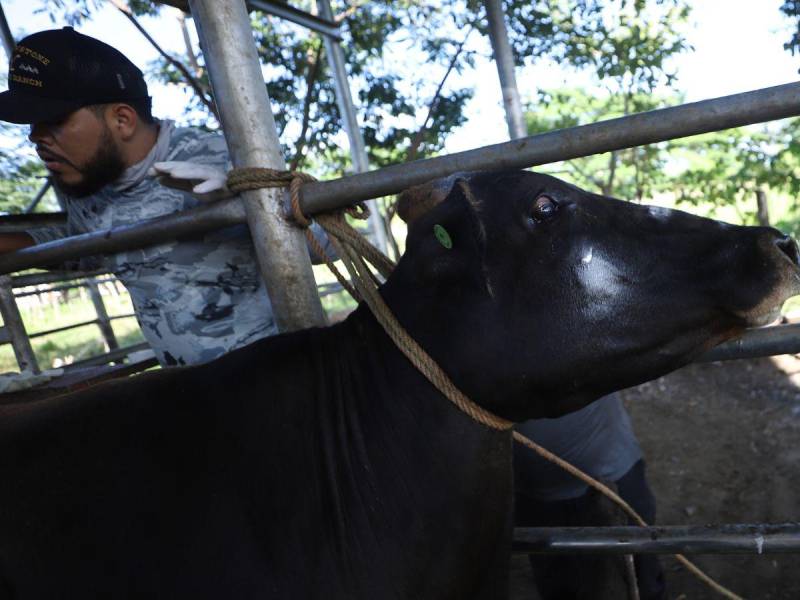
538	297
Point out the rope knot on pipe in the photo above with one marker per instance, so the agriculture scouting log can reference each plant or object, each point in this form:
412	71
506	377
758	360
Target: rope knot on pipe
245	179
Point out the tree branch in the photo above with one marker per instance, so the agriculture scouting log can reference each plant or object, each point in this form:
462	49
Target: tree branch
198	88
416	141
350	10
311	78
198	71
574	164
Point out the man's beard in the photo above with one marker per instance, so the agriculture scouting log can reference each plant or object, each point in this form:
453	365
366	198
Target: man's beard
104	167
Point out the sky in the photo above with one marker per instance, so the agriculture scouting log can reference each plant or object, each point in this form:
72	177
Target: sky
738	47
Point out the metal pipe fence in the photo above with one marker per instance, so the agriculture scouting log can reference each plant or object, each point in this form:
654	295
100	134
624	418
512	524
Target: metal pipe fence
759	538
100	321
13	330
252	138
633	130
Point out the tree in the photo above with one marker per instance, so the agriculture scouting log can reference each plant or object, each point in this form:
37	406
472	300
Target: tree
791	8
628	50
632	174
405	111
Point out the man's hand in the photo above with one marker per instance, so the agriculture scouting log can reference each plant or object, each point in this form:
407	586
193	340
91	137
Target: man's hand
205	182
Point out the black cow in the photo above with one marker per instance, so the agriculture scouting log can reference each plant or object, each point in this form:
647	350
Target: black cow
321	464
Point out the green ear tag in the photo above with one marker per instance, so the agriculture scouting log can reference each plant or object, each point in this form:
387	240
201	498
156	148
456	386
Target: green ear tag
443	237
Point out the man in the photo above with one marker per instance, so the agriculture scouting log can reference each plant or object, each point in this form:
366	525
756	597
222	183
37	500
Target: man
599	440
89	112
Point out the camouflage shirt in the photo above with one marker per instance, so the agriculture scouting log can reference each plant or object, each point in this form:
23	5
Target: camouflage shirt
195	299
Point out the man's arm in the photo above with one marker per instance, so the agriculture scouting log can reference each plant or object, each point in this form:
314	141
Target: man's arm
9	242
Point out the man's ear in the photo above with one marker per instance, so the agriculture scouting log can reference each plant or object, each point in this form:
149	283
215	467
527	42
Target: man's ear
123	120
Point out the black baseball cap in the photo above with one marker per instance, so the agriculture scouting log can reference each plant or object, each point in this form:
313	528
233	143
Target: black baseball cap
55	72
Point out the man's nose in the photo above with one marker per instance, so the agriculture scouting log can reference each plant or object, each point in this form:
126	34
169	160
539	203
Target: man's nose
39	131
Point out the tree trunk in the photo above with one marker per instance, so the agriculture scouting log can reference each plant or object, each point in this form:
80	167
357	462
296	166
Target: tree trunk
763	208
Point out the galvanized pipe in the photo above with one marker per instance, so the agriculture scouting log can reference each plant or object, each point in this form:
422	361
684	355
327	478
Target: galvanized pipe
12	322
114	356
279	9
504	60
760	538
633	130
5	32
38	197
226	38
763	341
30	279
344	100
79	324
24	222
103	322
659	125
325	25
198	220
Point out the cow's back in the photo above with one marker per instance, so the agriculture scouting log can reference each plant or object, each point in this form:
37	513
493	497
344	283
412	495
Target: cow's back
121	489
317	464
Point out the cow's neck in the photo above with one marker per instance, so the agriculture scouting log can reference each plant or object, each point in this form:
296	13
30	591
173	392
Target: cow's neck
397	475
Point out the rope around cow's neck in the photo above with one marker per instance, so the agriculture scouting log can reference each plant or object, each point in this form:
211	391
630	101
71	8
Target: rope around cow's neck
354	251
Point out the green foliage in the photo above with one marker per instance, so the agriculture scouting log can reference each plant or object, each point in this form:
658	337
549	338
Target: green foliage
399	117
633	174
726	168
22	177
627	49
791	8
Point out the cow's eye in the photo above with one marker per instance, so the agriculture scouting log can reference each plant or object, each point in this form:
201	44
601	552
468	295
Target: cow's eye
543	208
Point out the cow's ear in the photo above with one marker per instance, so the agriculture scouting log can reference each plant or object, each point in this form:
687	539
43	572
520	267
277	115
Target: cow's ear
444	241
421	199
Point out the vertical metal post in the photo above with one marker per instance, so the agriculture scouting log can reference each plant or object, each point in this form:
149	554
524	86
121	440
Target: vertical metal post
504	59
103	322
5	32
227	42
38	197
12	321
344	99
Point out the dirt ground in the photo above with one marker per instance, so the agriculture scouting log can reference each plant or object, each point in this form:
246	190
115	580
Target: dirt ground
722	442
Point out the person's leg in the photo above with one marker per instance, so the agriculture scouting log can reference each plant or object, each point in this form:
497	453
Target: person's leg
573	577
634	489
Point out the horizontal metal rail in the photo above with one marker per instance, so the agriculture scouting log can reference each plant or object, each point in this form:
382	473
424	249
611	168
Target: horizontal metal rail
698	539
59	288
19	281
20	223
38	197
634	130
112	356
764	341
282	10
76	325
615	134
147	233
307	20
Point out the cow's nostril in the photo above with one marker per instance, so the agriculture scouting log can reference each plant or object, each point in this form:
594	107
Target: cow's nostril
789	247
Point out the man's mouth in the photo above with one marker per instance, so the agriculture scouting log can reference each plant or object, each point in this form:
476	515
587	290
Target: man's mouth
52	162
